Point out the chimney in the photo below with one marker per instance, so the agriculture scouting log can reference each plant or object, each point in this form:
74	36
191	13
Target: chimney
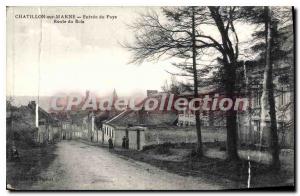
151	92
32	105
141	116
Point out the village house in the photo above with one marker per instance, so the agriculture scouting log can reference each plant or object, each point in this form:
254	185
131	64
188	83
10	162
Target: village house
249	121
47	127
209	118
72	126
145	128
284	105
136	125
92	120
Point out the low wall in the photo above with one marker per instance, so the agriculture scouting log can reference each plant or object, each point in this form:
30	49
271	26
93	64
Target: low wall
251	136
183	134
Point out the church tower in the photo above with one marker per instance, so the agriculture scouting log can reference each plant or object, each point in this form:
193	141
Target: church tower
113	111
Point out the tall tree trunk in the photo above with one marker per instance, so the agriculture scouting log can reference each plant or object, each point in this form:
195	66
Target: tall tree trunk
231	115
232	136
230	65
274	146
197	112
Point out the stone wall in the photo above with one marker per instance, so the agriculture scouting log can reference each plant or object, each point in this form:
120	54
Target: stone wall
183	135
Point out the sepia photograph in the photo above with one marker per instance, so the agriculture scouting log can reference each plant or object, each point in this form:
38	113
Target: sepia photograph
150	98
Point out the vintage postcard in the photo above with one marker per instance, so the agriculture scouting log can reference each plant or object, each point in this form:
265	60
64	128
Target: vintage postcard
150	98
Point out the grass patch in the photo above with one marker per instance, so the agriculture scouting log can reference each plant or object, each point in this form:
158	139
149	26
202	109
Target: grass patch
212	169
33	160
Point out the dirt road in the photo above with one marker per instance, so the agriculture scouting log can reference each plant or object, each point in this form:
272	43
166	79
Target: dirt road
79	166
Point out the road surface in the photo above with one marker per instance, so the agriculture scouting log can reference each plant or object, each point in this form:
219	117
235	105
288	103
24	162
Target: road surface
79	166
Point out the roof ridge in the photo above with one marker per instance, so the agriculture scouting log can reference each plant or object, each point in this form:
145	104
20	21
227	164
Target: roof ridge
117	116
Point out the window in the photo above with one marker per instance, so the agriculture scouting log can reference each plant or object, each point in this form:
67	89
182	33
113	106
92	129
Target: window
283	98
257	125
205	123
257	97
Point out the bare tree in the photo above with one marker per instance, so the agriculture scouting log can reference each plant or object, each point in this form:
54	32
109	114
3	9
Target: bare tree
268	91
176	37
271	49
223	19
181	37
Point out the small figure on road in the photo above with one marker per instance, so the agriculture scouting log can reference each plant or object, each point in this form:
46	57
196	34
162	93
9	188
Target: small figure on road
127	143
124	142
110	144
15	154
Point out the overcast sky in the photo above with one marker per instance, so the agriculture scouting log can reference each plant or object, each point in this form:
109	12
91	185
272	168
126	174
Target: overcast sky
78	57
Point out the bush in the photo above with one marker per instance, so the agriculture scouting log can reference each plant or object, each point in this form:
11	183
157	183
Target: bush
222	148
163	149
160	148
193	153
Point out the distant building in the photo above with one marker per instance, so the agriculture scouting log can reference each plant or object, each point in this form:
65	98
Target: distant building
249	121
208	118
135	124
48	126
24	118
284	103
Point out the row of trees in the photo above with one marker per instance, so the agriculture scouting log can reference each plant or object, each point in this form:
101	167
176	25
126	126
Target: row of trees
192	35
